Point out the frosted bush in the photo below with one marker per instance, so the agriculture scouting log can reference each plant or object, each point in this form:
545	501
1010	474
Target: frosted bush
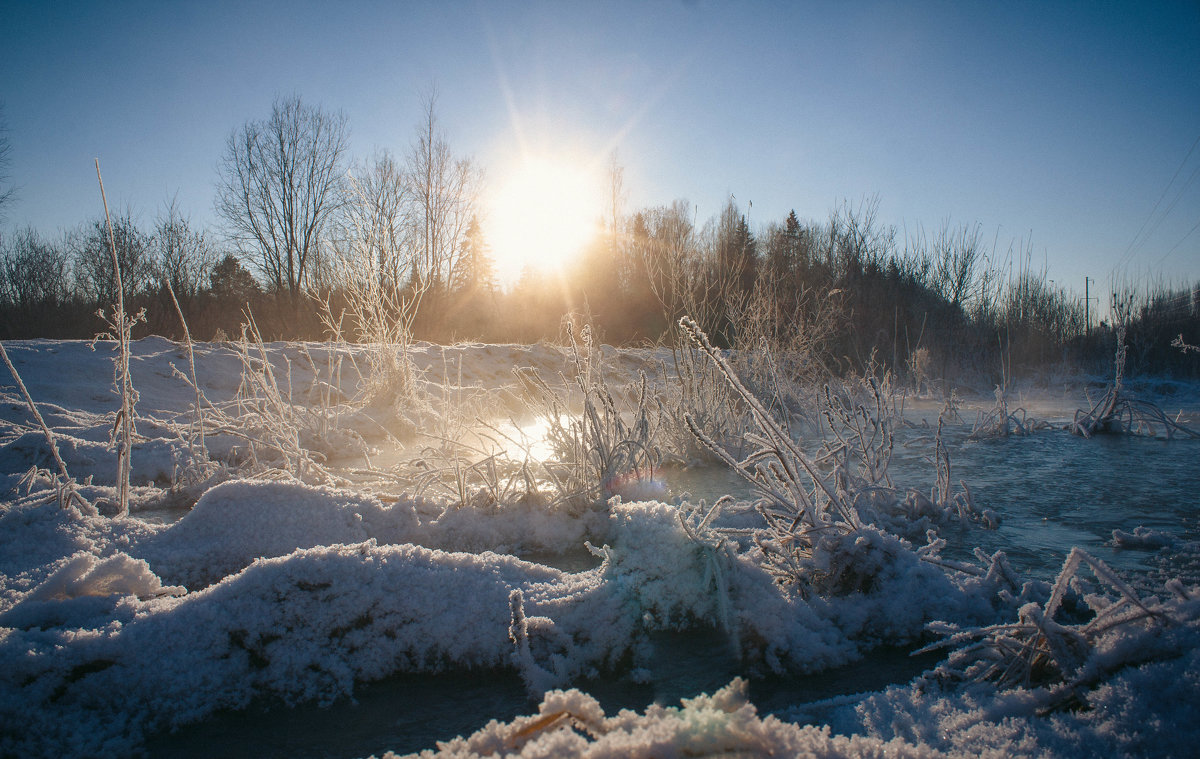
810	504
610	443
700	392
1000	421
797	499
1120	412
1078	637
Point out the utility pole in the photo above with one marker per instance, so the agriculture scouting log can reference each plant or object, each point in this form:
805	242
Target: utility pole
1087	302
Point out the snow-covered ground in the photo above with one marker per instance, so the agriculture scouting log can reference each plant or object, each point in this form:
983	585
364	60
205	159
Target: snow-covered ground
297	569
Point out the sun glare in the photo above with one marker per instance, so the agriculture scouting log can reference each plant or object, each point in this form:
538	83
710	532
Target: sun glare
541	215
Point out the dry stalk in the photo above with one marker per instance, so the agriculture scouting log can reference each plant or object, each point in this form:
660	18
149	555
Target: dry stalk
68	495
121	325
198	409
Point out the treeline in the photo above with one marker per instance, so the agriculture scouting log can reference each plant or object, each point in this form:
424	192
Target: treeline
307	235
847	292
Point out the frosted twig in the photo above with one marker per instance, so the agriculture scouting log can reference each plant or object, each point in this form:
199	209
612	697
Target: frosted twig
72	496
123	431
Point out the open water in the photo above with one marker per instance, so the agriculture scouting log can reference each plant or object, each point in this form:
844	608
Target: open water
1051	490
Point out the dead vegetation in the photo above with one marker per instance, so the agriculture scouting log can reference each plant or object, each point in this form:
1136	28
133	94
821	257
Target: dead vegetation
1077	638
1121	412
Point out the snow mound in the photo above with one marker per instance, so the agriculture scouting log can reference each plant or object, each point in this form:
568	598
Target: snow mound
84	588
1142	538
573	724
239	521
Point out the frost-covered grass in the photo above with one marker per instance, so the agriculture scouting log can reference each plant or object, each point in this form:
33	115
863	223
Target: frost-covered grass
603	437
298	579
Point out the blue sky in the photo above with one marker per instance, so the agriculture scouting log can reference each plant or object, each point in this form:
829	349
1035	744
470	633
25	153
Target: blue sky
1062	124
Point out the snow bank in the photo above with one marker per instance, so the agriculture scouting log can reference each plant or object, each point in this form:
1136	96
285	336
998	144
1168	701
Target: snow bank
236	522
305	626
572	724
309	624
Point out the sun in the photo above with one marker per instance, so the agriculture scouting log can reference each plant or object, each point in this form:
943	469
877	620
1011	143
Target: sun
541	215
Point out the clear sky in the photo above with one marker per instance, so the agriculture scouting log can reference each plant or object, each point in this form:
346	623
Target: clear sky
1067	124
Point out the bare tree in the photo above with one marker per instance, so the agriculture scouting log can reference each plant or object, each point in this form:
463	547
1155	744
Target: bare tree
7	191
33	271
614	202
373	223
665	239
93	258
281	181
441	191
182	256
734	252
956	254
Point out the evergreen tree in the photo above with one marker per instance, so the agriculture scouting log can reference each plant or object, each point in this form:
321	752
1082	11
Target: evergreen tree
793	235
231	281
745	249
478	273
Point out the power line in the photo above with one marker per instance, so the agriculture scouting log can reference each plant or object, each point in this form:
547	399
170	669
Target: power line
1130	249
1175	202
1176	245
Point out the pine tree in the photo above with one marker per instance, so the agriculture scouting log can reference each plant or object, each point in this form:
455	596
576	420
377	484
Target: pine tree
793	235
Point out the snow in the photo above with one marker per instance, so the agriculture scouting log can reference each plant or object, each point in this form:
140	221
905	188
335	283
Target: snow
571	723
259	584
1142	537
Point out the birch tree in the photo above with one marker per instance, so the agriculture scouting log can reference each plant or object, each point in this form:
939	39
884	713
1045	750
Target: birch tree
441	191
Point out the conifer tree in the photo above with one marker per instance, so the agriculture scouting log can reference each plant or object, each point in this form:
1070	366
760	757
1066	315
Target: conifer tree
478	273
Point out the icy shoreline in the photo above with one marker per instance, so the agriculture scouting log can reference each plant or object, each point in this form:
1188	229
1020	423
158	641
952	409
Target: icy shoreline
114	630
